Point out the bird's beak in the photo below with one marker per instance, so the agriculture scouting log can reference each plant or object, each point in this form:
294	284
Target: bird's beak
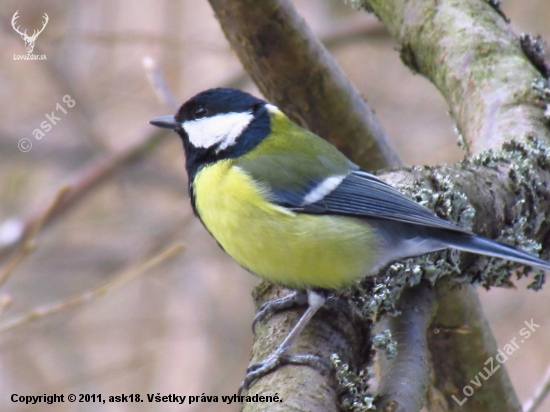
166	122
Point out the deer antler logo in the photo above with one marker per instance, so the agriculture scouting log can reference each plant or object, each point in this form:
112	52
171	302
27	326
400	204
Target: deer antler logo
29	40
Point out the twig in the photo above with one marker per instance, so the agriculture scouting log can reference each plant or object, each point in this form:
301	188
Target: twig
92	176
5	301
87	180
81	298
27	244
542	392
157	81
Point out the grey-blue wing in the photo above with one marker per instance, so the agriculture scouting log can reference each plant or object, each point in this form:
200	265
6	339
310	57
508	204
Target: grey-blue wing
361	194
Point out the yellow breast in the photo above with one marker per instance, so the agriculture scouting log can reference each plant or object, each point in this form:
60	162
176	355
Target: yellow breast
293	249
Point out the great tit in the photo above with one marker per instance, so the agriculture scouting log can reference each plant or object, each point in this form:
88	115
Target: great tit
290	208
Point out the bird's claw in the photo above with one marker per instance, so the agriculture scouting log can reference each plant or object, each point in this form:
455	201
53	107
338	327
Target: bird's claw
258	370
296	298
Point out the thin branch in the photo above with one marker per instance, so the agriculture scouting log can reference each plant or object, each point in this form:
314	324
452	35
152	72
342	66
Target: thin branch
406	379
81	298
295	71
158	83
27	243
540	394
5	301
88	179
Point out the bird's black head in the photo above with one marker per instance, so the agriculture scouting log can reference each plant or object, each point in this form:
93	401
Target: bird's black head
218	124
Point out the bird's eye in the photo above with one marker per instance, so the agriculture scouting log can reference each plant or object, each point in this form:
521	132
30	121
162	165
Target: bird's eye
200	112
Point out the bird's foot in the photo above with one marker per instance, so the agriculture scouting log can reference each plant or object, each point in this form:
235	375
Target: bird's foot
296	298
315	300
279	358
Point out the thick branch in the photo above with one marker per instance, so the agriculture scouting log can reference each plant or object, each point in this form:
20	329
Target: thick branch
294	70
492	189
460	357
469	52
404	385
303	388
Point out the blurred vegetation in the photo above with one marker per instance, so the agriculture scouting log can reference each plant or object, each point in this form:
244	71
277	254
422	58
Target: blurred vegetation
183	326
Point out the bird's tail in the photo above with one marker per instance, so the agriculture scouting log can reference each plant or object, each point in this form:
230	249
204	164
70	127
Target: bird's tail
482	246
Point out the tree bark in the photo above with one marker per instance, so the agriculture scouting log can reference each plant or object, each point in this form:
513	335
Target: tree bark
470	53
303	388
407	375
460	357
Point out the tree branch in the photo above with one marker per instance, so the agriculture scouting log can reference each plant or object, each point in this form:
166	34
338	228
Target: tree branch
406	379
304	388
81	298
89	178
459	357
293	70
540	394
469	52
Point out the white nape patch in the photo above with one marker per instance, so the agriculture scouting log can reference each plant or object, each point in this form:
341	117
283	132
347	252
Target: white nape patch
272	108
323	189
222	129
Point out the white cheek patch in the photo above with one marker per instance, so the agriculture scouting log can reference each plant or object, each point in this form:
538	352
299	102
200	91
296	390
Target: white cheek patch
322	189
222	129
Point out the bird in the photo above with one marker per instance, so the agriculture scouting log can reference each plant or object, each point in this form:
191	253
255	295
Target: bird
291	208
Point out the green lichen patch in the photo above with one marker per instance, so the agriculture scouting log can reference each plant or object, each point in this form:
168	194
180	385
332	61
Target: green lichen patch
526	165
353	388
384	342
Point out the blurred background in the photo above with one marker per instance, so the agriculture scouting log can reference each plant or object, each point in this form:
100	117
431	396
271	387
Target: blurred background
183	326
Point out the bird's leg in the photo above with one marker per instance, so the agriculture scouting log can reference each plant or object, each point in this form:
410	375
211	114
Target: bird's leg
296	298
280	356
